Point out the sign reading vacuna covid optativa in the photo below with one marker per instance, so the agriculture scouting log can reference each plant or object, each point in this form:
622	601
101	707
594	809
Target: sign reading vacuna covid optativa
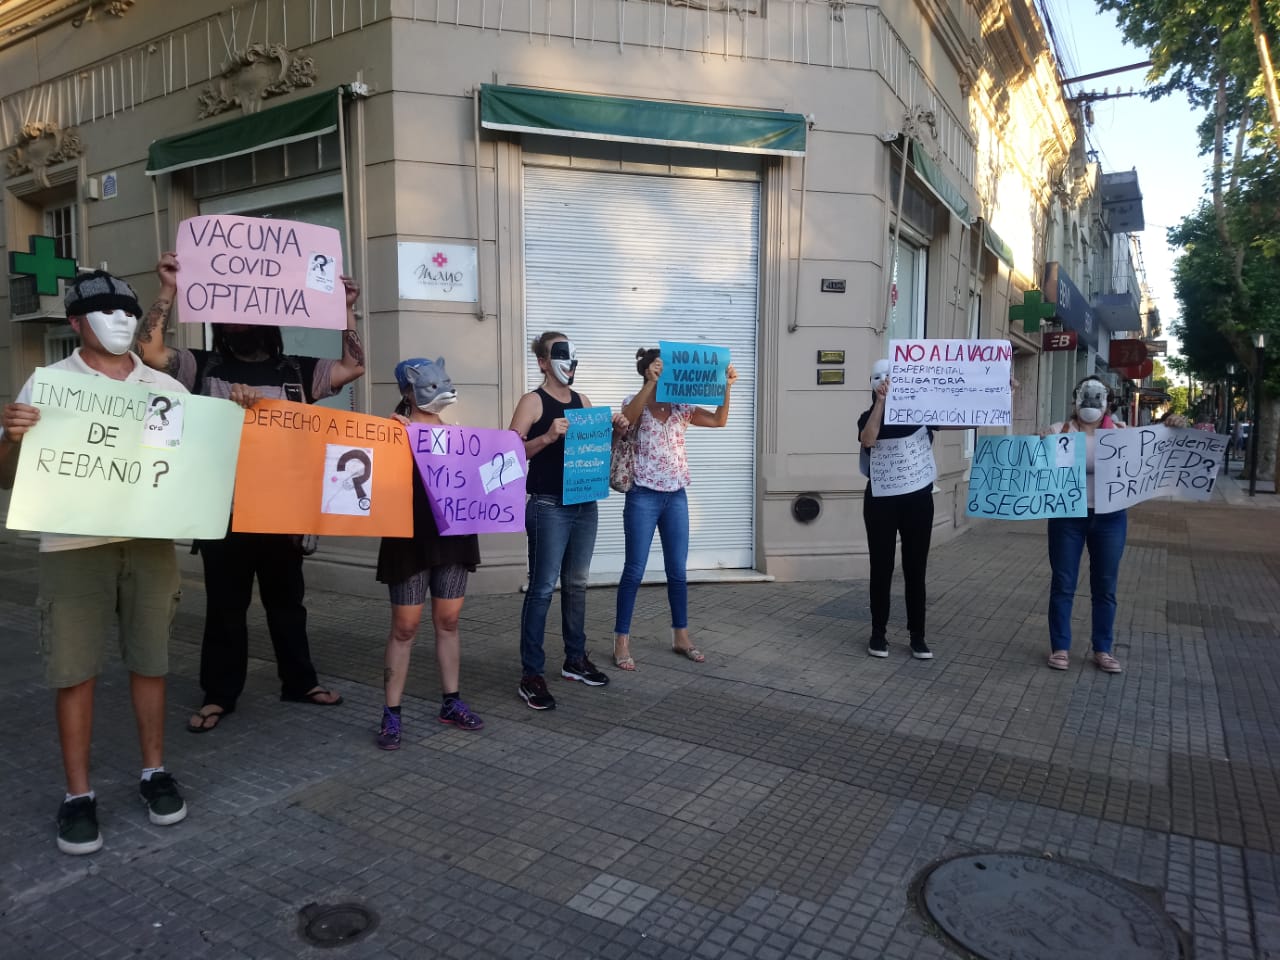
949	383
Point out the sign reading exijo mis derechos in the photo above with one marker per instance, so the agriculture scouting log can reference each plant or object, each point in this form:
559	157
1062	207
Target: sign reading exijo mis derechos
475	478
692	373
256	270
949	383
1029	478
437	271
120	459
1140	463
587	454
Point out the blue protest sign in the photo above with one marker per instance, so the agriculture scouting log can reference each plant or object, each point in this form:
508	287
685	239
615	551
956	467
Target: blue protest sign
586	454
692	373
1028	478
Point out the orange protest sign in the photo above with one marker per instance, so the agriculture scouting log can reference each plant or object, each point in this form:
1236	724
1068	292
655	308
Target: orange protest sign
308	469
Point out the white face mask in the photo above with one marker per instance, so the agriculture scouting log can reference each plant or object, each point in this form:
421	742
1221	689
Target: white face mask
563	360
114	330
879	373
1089	414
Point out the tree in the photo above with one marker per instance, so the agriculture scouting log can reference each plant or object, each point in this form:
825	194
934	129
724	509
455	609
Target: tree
1216	52
1177	400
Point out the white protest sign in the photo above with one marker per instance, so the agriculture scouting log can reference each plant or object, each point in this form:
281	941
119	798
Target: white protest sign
1140	463
953	383
902	465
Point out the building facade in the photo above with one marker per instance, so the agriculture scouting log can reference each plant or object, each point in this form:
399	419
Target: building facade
787	179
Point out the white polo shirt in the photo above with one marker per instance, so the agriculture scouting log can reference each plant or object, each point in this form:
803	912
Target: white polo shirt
141	373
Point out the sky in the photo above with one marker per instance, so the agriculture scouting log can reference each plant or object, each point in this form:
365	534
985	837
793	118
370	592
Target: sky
1158	138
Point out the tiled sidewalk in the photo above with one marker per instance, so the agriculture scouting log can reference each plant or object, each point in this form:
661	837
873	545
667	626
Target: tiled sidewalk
777	801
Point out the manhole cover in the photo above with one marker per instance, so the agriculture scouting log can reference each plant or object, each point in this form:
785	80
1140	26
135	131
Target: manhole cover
336	925
1010	906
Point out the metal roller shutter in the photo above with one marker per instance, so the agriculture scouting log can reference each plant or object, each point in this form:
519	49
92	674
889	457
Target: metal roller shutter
620	261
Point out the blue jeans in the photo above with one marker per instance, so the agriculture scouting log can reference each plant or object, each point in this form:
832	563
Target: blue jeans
1104	534
561	541
667	512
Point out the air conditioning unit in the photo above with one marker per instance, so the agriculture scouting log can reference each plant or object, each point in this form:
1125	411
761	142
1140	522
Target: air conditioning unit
26	304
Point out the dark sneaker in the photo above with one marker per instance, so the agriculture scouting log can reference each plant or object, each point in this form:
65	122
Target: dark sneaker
459	714
535	693
584	670
78	826
919	649
879	646
389	735
164	803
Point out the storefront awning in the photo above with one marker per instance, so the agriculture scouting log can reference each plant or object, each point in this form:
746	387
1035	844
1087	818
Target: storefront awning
302	119
942	188
557	114
997	246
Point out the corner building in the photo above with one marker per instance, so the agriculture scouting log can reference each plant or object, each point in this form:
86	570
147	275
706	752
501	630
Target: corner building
800	182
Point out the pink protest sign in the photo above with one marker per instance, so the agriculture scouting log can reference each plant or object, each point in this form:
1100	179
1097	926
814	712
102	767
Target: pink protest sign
474	478
255	270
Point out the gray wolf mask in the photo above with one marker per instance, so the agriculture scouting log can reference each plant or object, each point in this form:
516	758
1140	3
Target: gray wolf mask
431	385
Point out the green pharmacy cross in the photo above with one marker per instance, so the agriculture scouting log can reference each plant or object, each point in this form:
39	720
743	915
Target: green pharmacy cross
44	264
1031	311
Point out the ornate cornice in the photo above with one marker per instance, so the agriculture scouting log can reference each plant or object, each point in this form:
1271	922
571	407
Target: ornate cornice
258	73
40	146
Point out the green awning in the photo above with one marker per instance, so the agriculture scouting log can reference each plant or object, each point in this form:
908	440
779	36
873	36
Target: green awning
310	116
996	245
556	114
942	188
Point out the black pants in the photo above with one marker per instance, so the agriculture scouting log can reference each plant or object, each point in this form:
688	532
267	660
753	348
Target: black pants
911	516
229	568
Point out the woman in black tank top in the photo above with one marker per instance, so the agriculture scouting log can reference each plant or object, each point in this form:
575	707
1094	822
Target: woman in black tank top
561	538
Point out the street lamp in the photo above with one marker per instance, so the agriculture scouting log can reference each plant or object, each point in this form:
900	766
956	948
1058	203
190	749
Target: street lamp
1259	343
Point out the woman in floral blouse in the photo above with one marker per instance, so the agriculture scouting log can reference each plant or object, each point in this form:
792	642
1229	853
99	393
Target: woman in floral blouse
657	501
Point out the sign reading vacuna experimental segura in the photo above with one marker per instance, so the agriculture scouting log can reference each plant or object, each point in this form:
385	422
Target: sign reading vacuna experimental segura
949	383
437	271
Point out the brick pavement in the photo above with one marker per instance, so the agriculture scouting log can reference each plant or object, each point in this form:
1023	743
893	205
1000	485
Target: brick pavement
777	801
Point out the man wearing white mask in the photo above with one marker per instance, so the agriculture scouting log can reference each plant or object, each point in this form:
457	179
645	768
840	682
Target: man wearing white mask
893	507
87	583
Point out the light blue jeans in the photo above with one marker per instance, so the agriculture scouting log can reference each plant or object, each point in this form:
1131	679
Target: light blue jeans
667	512
1104	534
561	541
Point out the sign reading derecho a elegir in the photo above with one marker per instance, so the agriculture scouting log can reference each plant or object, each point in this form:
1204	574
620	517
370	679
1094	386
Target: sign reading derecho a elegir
111	458
1140	463
1029	478
257	270
692	373
474	477
902	465
587	453
949	383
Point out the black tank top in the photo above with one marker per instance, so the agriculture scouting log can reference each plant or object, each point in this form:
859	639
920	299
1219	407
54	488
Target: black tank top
546	467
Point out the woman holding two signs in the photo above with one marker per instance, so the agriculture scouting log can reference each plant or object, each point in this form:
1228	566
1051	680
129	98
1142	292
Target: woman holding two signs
657	501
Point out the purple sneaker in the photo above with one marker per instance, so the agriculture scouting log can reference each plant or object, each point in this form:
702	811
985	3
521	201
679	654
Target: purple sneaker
389	735
459	714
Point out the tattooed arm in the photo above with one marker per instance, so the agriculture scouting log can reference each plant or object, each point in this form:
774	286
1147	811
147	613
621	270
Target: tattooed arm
151	345
351	366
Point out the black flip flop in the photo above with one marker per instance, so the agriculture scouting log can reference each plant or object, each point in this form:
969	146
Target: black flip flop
204	726
311	698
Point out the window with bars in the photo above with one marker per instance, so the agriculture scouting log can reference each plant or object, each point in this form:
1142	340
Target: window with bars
60	223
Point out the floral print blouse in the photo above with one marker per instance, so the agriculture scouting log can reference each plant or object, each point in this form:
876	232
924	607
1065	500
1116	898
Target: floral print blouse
660	458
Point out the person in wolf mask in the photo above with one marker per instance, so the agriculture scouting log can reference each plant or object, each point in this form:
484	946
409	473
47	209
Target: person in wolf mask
1103	533
250	358
562	536
425	563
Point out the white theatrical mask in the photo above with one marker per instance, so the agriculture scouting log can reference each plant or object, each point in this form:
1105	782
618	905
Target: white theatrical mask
879	373
114	330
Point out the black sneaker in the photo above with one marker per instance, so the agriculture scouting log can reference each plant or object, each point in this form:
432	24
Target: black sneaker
535	693
879	646
78	826
164	803
919	649
583	669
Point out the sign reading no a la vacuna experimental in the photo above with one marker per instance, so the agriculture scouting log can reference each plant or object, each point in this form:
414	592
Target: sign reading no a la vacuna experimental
259	270
949	383
120	459
437	271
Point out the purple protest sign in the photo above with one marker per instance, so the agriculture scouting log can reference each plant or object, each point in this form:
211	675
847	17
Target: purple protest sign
474	477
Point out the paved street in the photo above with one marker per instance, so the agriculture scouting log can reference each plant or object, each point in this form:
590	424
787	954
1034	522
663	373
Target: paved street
777	801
